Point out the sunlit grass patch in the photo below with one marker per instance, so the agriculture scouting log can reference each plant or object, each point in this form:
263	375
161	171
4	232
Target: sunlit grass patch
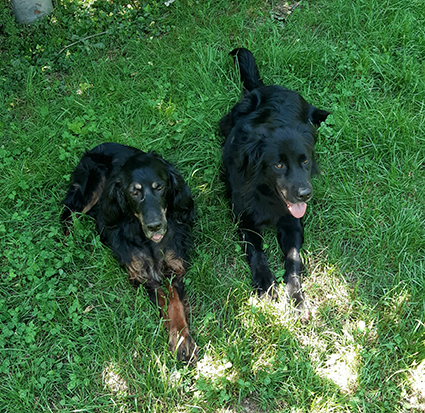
209	368
415	396
113	381
342	368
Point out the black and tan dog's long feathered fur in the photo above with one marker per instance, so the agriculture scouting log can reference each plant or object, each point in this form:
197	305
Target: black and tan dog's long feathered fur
269	158
143	211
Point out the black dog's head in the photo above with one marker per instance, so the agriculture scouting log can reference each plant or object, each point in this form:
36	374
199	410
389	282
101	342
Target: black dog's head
275	132
288	162
151	189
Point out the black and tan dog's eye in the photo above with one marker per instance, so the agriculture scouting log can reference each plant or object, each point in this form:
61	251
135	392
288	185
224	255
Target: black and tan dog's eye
157	186
136	190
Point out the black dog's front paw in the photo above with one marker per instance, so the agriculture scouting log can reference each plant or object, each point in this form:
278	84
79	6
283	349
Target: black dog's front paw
262	278
294	290
267	290
296	296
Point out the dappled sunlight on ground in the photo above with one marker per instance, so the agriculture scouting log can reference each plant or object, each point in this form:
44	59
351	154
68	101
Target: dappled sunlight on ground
416	400
331	298
341	368
212	369
323	405
113	381
326	285
329	335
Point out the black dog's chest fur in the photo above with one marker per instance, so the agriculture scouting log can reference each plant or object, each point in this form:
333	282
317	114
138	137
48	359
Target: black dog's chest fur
265	205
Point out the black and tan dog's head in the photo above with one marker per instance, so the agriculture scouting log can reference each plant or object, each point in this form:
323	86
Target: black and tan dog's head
145	182
150	189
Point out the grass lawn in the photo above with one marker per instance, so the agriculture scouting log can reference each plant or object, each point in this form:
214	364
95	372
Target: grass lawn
76	337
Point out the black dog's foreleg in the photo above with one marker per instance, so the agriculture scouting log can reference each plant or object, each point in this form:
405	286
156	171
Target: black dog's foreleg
290	236
262	277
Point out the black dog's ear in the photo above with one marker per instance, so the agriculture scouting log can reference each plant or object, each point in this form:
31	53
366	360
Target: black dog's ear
315	169
180	201
249	161
317	116
114	204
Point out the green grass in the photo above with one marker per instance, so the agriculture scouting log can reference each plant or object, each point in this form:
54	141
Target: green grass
75	336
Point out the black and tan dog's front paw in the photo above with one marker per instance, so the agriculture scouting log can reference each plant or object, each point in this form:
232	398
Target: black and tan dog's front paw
183	346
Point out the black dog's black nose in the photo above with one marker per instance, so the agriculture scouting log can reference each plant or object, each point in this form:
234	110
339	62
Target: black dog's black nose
154	226
304	194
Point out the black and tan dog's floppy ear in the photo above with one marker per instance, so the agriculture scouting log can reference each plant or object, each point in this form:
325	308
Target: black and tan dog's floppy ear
317	116
114	204
180	201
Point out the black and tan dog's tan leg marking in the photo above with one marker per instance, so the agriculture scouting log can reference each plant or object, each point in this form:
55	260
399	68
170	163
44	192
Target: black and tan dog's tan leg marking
142	271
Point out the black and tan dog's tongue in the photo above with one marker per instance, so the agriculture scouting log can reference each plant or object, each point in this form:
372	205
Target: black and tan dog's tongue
157	238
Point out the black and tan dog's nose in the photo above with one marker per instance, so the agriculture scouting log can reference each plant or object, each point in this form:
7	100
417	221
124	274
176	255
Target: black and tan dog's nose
154	226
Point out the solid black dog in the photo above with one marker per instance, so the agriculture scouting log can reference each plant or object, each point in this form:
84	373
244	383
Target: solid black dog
269	158
143	211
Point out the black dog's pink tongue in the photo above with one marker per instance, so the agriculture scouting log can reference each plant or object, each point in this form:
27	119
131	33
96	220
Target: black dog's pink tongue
297	210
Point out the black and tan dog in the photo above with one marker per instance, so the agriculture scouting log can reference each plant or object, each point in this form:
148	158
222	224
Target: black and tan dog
143	211
269	158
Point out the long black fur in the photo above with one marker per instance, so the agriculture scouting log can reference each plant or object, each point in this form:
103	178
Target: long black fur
143	211
269	158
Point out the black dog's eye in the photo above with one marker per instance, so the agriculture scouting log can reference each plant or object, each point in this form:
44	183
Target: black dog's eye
306	162
279	166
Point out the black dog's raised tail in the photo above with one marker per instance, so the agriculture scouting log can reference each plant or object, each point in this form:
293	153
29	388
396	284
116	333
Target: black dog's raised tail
250	76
